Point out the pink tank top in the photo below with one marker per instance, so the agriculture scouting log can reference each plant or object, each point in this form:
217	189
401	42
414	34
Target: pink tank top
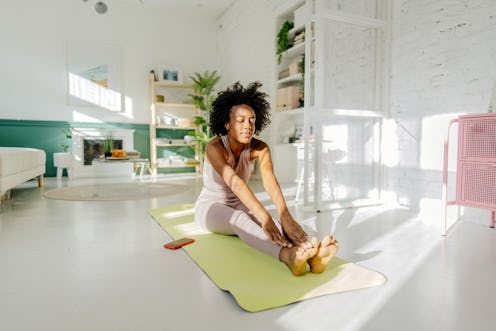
213	183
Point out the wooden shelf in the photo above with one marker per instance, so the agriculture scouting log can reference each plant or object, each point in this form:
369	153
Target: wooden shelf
180	111
291	79
300	48
175	127
293	31
177	166
175	105
170	84
296	111
159	144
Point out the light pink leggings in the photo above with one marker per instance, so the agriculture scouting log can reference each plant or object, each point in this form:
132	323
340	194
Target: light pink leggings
235	219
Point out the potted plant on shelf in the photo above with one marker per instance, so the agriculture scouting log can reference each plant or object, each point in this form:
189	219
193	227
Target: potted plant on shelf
203	87
108	145
283	43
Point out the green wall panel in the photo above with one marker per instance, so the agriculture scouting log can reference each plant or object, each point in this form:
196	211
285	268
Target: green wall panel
50	135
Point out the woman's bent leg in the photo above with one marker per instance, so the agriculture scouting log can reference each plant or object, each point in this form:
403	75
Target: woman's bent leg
220	218
214	217
252	233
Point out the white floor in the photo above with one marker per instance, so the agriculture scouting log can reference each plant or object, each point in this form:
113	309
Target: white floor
68	265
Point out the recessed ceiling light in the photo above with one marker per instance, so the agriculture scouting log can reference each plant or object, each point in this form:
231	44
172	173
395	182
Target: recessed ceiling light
101	7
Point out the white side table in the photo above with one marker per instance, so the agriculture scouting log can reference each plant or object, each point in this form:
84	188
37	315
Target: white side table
61	161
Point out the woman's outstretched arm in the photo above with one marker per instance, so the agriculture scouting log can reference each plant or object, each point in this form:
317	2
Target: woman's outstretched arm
216	155
290	227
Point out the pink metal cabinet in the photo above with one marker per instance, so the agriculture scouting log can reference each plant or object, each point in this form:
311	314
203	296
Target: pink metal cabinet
475	165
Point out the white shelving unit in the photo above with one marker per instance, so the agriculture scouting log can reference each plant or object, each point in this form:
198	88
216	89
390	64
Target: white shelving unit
181	114
285	122
345	88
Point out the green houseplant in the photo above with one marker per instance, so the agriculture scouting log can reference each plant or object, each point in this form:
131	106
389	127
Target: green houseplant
66	144
202	136
108	145
203	87
64	159
282	39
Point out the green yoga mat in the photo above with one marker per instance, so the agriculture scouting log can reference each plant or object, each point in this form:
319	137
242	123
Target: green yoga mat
257	281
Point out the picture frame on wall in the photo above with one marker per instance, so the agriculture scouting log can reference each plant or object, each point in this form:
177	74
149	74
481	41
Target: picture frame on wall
170	74
94	76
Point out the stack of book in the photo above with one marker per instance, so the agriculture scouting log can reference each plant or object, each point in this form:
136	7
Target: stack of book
299	38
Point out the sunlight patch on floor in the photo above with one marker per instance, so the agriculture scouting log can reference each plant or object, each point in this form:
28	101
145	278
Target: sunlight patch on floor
178	213
397	254
190	229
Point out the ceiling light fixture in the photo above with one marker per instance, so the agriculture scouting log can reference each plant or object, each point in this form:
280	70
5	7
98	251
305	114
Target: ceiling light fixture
101	7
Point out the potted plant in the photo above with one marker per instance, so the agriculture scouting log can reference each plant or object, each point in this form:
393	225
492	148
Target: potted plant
203	87
201	136
283	43
64	159
108	145
66	144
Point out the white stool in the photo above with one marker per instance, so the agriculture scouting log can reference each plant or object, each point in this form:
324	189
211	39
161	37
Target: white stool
140	165
61	161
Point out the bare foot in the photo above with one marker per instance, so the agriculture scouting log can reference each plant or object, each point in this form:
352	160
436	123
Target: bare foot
296	257
327	250
293	231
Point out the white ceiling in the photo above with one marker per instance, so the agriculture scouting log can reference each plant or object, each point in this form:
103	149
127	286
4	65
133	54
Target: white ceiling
212	8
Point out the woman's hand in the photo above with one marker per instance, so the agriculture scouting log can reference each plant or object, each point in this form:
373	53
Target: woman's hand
293	230
272	231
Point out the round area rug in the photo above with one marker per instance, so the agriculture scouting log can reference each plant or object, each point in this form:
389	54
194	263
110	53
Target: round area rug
115	192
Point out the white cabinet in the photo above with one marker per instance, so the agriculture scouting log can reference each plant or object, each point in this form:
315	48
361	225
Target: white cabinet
171	121
344	89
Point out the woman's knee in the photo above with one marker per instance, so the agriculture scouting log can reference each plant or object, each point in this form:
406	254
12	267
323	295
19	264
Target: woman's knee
216	218
238	218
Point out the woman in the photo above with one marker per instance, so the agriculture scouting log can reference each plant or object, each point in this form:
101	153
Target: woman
228	206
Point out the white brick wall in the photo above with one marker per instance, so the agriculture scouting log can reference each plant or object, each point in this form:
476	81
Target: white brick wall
443	55
246	45
365	8
442	62
349	66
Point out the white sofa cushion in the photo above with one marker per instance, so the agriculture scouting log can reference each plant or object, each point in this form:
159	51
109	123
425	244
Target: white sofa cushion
18	165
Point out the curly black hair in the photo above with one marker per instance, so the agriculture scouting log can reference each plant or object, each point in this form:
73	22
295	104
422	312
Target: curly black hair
238	95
